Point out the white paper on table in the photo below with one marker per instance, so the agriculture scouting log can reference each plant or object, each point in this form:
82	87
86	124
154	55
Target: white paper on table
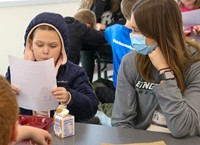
35	79
191	18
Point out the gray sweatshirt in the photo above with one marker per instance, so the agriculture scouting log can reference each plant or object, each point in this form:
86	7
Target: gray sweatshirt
136	100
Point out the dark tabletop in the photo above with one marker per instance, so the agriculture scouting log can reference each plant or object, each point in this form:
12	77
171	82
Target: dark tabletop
89	134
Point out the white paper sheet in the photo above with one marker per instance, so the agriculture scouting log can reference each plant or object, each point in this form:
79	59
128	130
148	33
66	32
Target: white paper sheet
191	18
35	81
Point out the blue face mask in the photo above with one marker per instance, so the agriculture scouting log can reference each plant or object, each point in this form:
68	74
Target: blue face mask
138	42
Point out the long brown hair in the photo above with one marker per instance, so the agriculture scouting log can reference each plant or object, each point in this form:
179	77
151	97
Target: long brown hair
115	5
87	4
161	20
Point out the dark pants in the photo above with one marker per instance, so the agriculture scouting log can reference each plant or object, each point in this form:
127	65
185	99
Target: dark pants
90	53
88	62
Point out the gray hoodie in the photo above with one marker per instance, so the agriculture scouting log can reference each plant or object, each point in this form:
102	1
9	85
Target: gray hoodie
136	100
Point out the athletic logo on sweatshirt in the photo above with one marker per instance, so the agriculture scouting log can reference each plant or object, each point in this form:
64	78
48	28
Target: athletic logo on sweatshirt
145	88
145	85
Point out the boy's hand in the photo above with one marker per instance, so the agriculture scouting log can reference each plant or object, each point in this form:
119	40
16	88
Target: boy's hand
61	94
36	135
15	90
196	30
40	137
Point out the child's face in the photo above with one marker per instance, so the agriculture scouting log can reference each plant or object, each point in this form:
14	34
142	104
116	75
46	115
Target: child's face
188	2
46	44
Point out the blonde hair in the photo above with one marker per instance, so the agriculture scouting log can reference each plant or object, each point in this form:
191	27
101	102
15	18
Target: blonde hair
196	4
150	17
8	111
87	4
86	16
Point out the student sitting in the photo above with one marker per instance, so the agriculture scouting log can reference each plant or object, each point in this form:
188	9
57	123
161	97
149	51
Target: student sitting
158	84
82	32
47	37
10	131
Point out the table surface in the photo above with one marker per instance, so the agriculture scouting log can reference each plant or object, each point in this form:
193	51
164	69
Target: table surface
89	134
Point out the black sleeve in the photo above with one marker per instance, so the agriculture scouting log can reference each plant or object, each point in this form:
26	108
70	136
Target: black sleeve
93	37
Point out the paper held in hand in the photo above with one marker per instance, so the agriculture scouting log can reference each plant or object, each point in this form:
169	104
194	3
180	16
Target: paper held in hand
191	18
35	81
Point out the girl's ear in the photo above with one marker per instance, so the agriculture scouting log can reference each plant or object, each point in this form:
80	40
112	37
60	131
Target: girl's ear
14	132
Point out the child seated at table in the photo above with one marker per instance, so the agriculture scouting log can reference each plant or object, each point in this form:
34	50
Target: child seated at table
47	37
10	131
158	84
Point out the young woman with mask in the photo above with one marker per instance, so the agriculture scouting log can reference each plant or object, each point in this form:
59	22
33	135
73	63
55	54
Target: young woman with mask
159	83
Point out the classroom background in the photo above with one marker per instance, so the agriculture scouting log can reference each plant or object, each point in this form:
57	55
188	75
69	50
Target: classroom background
15	16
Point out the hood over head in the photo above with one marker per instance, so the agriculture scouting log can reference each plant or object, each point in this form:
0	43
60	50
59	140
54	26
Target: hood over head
57	22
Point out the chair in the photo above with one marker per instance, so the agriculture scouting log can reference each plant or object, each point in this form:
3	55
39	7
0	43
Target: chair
104	57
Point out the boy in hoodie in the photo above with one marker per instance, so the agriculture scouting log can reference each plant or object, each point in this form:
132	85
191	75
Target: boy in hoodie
47	37
10	131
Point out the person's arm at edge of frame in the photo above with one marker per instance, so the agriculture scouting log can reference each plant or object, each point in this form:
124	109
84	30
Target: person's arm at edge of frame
93	37
36	135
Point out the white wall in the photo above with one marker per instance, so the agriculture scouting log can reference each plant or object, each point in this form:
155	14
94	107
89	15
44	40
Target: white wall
13	22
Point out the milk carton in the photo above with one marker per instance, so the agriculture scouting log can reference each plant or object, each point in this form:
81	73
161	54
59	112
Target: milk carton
63	122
